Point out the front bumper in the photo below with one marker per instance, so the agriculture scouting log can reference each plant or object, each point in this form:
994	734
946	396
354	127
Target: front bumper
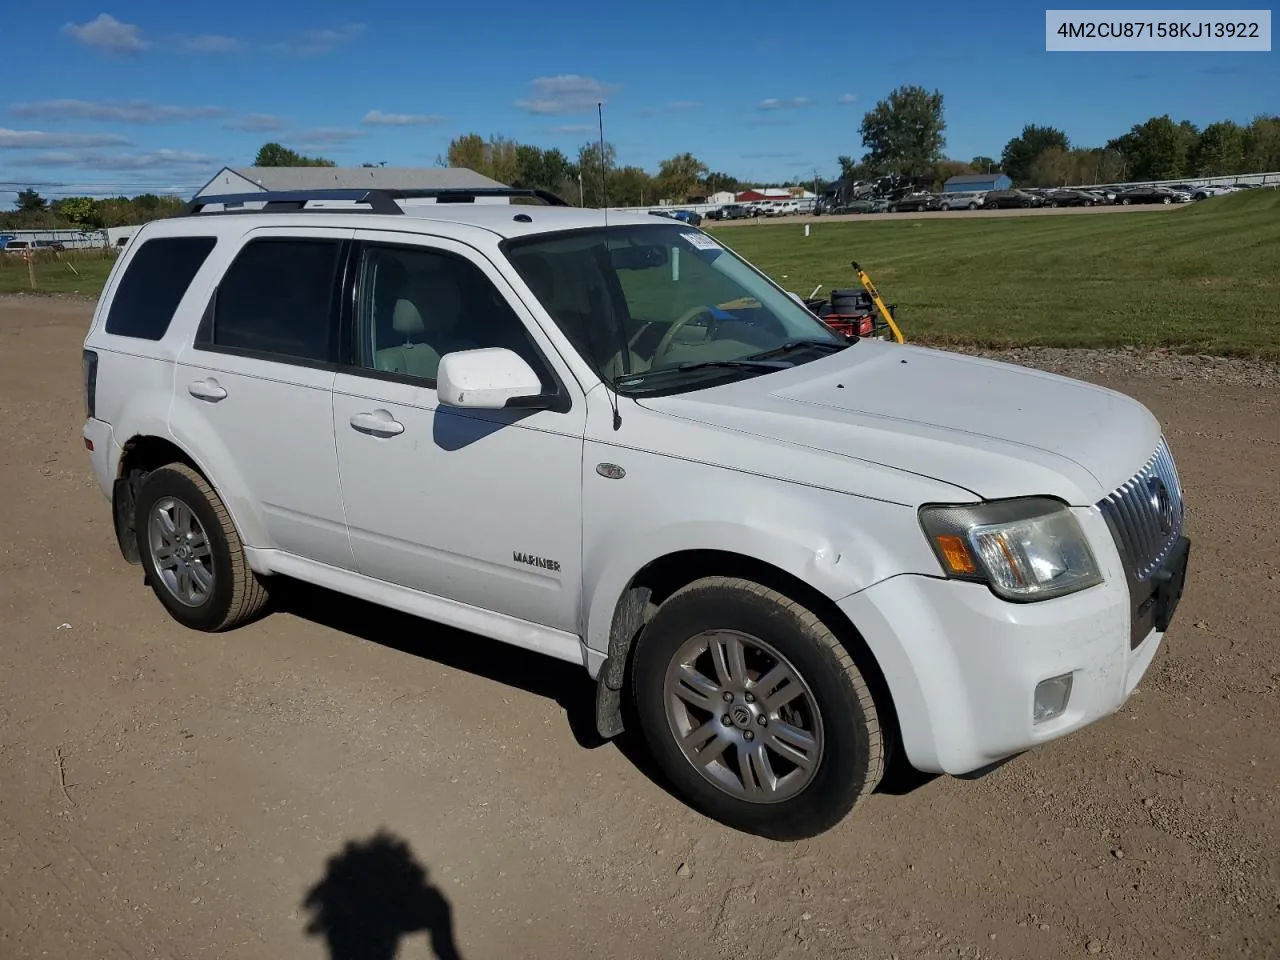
962	665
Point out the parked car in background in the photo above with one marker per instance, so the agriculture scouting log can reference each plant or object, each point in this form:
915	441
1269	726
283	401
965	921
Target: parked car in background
961	200
691	217
1012	198
1152	194
1102	194
1207	190
915	203
730	211
1066	197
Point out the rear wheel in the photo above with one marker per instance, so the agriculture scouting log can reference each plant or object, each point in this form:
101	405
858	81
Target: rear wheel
754	710
191	552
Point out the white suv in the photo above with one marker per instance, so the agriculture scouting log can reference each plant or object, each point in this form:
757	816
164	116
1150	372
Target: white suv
786	554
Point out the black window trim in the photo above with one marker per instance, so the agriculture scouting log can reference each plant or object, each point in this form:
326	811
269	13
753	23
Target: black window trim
558	400
128	267
342	266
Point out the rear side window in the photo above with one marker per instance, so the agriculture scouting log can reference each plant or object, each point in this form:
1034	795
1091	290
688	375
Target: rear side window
153	284
276	299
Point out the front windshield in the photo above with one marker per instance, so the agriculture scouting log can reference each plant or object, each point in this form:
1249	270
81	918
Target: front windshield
666	307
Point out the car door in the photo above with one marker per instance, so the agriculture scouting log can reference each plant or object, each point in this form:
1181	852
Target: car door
252	390
478	506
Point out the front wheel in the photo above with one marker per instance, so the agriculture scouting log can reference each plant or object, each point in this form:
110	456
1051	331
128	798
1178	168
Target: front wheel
754	710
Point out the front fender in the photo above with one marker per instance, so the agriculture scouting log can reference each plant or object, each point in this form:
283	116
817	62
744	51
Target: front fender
193	435
837	543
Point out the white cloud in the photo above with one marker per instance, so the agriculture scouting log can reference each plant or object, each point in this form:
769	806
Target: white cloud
776	103
568	93
108	34
256	123
326	135
38	139
317	41
574	128
847	98
377	118
110	162
210	43
118	111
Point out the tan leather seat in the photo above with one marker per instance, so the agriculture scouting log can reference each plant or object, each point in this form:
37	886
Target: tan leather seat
415	356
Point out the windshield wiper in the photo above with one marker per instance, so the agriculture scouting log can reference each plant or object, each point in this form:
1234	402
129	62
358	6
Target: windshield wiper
757	364
801	343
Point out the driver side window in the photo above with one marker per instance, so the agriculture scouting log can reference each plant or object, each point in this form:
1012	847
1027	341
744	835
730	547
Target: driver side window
417	304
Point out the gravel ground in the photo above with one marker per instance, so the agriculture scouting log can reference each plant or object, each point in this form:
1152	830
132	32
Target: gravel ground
337	775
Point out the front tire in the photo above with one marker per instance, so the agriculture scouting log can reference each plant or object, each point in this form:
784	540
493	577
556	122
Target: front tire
191	552
754	710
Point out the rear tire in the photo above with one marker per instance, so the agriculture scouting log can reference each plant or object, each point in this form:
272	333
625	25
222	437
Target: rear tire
792	731
191	553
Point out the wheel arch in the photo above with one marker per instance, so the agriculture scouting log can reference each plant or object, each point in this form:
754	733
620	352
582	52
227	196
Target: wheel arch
663	576
139	455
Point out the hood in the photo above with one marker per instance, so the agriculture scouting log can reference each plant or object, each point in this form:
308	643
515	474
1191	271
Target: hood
995	429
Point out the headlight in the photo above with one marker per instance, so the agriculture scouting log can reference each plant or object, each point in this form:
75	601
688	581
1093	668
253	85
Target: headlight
1025	549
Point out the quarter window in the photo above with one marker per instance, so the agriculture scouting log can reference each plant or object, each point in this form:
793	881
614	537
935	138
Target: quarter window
277	299
153	285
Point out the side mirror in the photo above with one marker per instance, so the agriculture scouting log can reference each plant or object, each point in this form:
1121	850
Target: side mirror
486	378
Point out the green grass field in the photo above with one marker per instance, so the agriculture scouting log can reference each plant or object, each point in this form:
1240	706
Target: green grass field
74	271
1201	278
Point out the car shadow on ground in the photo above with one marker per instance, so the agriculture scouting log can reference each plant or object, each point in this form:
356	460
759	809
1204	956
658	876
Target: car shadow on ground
565	683
374	892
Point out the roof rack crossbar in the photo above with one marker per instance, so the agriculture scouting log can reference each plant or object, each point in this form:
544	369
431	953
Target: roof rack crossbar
381	201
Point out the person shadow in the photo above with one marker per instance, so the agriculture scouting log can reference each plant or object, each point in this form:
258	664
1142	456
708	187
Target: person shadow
373	893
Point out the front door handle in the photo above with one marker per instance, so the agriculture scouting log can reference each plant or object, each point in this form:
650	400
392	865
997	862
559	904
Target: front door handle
379	422
207	390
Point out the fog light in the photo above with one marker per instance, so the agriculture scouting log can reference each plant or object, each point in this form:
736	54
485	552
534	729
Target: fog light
1051	698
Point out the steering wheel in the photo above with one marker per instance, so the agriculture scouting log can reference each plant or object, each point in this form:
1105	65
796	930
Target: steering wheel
679	324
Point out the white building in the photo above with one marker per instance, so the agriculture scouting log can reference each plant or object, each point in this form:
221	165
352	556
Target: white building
232	180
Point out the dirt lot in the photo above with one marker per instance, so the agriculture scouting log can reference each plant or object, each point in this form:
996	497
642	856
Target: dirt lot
337	773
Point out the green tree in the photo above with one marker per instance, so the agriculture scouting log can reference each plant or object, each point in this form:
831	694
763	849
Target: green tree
1020	153
983	164
715	181
30	202
905	131
1262	145
851	169
1219	150
1158	149
593	166
79	211
631	187
679	176
275	155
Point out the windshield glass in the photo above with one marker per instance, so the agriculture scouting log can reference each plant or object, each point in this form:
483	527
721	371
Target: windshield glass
666	307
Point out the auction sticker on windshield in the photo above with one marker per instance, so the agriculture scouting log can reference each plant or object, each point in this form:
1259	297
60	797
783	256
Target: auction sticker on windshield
701	241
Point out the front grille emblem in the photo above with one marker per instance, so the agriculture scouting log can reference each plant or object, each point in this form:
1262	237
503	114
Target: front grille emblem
1161	504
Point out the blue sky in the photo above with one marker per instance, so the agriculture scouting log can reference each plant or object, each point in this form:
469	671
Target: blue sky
125	97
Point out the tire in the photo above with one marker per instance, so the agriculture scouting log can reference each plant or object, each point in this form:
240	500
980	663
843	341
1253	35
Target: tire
1125	201
1053	204
832	717
232	593
973	206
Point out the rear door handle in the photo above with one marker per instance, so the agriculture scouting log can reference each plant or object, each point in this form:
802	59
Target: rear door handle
380	423
207	390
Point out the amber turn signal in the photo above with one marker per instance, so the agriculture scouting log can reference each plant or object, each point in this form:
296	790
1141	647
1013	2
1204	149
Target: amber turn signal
956	553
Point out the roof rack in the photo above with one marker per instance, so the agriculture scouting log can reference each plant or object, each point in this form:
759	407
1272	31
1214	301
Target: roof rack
377	201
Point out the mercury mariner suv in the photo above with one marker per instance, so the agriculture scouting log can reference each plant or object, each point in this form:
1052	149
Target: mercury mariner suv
784	556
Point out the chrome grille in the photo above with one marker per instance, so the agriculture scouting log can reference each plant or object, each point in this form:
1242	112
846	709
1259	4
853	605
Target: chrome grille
1145	514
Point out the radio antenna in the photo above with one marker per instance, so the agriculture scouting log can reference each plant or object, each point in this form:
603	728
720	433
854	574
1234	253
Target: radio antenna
604	180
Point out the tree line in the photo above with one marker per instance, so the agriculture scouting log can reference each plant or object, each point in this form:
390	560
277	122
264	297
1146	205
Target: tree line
34	212
904	133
